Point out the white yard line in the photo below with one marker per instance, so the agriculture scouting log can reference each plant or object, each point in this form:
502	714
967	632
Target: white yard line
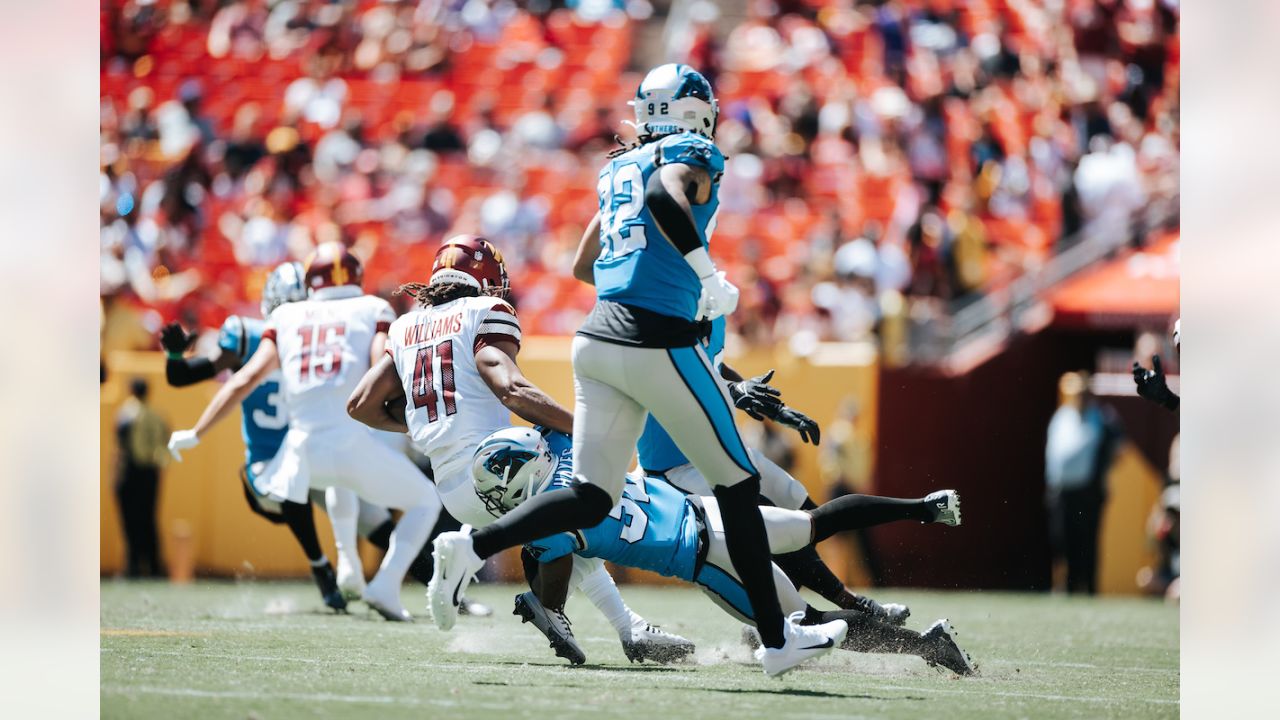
674	678
986	691
1084	666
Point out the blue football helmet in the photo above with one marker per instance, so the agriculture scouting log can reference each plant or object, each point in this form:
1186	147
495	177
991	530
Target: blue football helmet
675	98
284	285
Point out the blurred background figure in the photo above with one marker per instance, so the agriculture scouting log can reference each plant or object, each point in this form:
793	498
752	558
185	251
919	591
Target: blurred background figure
1164	529
142	436
1083	436
845	464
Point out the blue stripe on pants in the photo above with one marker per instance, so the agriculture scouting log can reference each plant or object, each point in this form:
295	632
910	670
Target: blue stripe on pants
706	390
726	587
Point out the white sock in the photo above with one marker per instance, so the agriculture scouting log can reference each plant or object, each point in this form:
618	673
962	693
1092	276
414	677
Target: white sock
344	508
407	539
590	578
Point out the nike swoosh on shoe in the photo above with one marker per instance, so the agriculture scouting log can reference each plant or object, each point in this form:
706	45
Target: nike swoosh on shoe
827	644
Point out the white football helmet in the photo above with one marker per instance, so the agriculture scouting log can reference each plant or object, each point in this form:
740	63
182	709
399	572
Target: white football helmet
510	466
675	98
284	285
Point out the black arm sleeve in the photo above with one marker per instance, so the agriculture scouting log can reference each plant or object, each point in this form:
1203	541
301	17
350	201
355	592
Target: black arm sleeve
188	371
674	222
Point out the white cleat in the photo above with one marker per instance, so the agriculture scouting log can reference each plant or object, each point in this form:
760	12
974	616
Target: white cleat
801	643
386	602
945	505
456	566
350	579
650	642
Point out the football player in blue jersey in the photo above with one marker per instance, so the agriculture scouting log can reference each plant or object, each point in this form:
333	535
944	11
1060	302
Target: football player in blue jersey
264	422
660	458
654	527
638	353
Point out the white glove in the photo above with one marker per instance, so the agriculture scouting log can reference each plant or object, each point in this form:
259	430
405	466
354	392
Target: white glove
719	296
182	440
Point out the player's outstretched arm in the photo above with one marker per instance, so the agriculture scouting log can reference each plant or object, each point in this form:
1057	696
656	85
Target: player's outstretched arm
757	398
263	362
379	388
588	251
182	371
496	363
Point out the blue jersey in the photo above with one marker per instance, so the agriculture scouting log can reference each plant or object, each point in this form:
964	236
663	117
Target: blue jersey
651	528
637	265
263	420
656	449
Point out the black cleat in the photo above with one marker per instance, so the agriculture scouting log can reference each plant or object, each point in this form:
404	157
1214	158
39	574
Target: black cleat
327	582
894	613
551	623
943	649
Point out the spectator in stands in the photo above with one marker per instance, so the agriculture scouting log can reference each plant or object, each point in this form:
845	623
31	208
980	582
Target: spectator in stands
1083	437
142	437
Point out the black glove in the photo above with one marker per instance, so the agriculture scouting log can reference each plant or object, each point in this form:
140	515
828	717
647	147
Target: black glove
756	397
174	339
801	423
1152	386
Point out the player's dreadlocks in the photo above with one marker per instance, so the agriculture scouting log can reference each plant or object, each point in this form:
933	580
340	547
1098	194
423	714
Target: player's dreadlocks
625	147
438	294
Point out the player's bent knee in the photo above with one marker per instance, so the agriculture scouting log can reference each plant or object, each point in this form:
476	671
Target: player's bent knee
595	503
748	486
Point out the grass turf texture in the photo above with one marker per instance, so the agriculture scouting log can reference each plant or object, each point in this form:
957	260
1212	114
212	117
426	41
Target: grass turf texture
269	650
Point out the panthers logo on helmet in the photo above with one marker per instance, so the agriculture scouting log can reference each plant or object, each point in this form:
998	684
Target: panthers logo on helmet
675	98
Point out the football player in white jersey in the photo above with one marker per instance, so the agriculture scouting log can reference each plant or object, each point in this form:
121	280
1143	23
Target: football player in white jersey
323	346
450	379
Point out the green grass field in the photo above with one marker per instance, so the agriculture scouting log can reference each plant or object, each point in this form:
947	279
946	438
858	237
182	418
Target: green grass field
266	650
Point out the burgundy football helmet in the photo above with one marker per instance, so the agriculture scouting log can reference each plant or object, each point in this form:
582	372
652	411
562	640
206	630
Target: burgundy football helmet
472	260
333	265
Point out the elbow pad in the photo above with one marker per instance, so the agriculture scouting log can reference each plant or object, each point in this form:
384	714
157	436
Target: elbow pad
181	372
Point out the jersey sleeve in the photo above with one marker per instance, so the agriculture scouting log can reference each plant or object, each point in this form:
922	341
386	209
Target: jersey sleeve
693	150
383	316
233	338
498	322
395	332
553	548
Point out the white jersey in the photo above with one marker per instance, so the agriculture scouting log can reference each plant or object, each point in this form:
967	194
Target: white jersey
324	344
449	408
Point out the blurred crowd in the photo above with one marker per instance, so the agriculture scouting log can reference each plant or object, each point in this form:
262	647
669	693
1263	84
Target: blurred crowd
886	159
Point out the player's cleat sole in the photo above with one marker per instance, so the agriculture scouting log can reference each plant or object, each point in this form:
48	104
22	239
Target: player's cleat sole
456	565
474	608
328	585
648	642
945	651
945	505
802	644
896	613
555	626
